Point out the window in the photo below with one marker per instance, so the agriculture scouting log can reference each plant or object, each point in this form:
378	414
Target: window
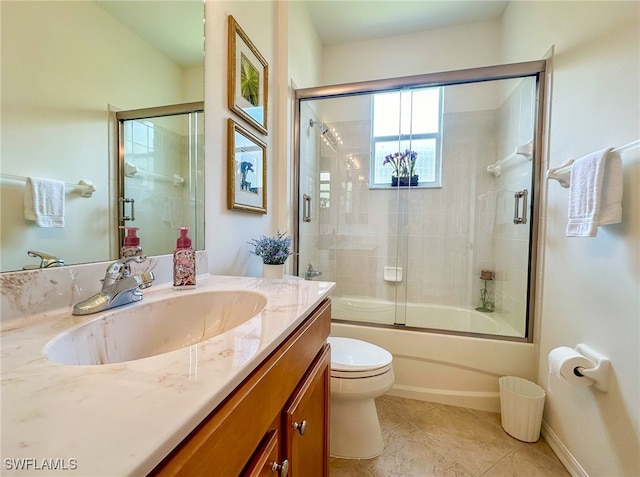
407	119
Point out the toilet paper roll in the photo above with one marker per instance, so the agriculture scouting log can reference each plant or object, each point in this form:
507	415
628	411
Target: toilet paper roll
562	363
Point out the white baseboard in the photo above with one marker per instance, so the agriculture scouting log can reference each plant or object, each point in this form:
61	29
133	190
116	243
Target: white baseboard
567	459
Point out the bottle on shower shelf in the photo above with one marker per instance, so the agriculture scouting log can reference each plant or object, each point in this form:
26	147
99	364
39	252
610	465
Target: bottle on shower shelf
487	304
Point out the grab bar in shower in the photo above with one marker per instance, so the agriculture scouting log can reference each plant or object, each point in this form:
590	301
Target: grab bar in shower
130	170
525	150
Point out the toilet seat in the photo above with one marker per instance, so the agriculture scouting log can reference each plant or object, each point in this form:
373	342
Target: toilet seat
370	373
354	359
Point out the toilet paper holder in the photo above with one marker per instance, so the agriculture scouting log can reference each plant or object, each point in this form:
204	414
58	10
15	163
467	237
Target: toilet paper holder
599	374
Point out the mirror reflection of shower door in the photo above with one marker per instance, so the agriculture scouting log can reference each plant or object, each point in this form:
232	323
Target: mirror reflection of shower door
161	175
439	236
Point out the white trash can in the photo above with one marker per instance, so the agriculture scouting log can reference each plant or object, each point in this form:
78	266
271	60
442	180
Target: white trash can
521	406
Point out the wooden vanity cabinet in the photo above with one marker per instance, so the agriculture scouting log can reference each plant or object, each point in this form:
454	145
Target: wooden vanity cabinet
253	428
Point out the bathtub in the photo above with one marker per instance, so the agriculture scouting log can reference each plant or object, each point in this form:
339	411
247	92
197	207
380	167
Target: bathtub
439	367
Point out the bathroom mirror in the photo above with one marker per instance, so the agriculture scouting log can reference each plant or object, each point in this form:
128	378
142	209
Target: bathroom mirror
67	68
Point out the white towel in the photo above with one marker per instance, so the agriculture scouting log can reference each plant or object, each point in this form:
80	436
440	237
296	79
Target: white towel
44	202
172	211
595	193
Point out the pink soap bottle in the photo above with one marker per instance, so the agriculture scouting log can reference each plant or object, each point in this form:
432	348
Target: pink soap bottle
131	243
184	262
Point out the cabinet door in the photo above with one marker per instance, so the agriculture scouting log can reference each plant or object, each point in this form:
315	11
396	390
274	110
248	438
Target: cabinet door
306	421
265	462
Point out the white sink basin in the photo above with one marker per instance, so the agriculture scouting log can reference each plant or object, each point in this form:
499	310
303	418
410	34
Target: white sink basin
148	329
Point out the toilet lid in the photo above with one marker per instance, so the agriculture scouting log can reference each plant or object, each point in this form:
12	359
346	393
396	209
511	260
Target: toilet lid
348	354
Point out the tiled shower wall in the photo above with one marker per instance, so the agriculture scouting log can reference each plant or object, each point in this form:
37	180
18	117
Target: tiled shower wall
426	232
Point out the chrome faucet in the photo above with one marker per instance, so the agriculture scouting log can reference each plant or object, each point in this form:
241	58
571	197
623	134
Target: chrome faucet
119	287
46	260
311	273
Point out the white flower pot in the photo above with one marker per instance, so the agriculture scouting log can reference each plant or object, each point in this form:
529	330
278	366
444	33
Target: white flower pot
272	271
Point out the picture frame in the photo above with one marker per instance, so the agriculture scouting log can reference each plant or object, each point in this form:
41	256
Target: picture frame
246	169
248	78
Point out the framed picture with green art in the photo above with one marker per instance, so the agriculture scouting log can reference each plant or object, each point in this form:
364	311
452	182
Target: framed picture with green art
248	78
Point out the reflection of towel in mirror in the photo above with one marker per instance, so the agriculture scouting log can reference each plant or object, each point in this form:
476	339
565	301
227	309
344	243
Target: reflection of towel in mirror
44	202
487	211
172	211
504	206
595	193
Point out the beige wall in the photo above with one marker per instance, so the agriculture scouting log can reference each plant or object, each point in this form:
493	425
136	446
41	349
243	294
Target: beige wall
228	231
465	46
589	291
283	34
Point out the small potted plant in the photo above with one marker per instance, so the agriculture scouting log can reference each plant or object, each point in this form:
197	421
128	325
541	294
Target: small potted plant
404	167
274	251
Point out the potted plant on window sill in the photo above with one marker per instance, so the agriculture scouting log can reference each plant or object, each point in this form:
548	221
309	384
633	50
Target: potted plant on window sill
274	251
404	167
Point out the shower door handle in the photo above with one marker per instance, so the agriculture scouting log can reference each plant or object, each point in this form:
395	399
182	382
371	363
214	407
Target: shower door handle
306	208
520	219
124	217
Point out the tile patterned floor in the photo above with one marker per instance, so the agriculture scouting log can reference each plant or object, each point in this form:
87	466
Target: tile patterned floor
424	439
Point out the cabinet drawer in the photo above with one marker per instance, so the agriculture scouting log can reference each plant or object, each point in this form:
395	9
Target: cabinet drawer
262	464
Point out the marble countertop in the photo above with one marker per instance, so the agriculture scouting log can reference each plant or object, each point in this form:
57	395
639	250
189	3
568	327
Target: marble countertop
123	419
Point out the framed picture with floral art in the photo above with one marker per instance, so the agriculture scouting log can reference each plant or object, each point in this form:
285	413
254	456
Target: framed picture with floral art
248	75
247	170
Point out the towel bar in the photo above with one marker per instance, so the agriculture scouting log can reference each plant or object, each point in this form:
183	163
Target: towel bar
85	187
562	173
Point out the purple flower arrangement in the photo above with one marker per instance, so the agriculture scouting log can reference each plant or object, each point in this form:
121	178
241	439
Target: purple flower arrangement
273	250
403	163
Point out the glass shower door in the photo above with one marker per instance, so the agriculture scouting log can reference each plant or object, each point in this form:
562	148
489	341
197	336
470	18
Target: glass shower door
161	174
426	256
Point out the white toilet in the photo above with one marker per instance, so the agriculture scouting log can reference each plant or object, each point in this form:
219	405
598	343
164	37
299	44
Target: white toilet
360	371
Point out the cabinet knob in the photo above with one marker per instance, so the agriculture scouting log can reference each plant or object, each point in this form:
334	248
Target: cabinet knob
301	427
282	469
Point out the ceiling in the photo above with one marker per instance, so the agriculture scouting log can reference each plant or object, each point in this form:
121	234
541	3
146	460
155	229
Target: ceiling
174	27
340	21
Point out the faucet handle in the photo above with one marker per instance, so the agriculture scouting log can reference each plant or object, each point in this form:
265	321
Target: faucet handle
120	268
145	279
